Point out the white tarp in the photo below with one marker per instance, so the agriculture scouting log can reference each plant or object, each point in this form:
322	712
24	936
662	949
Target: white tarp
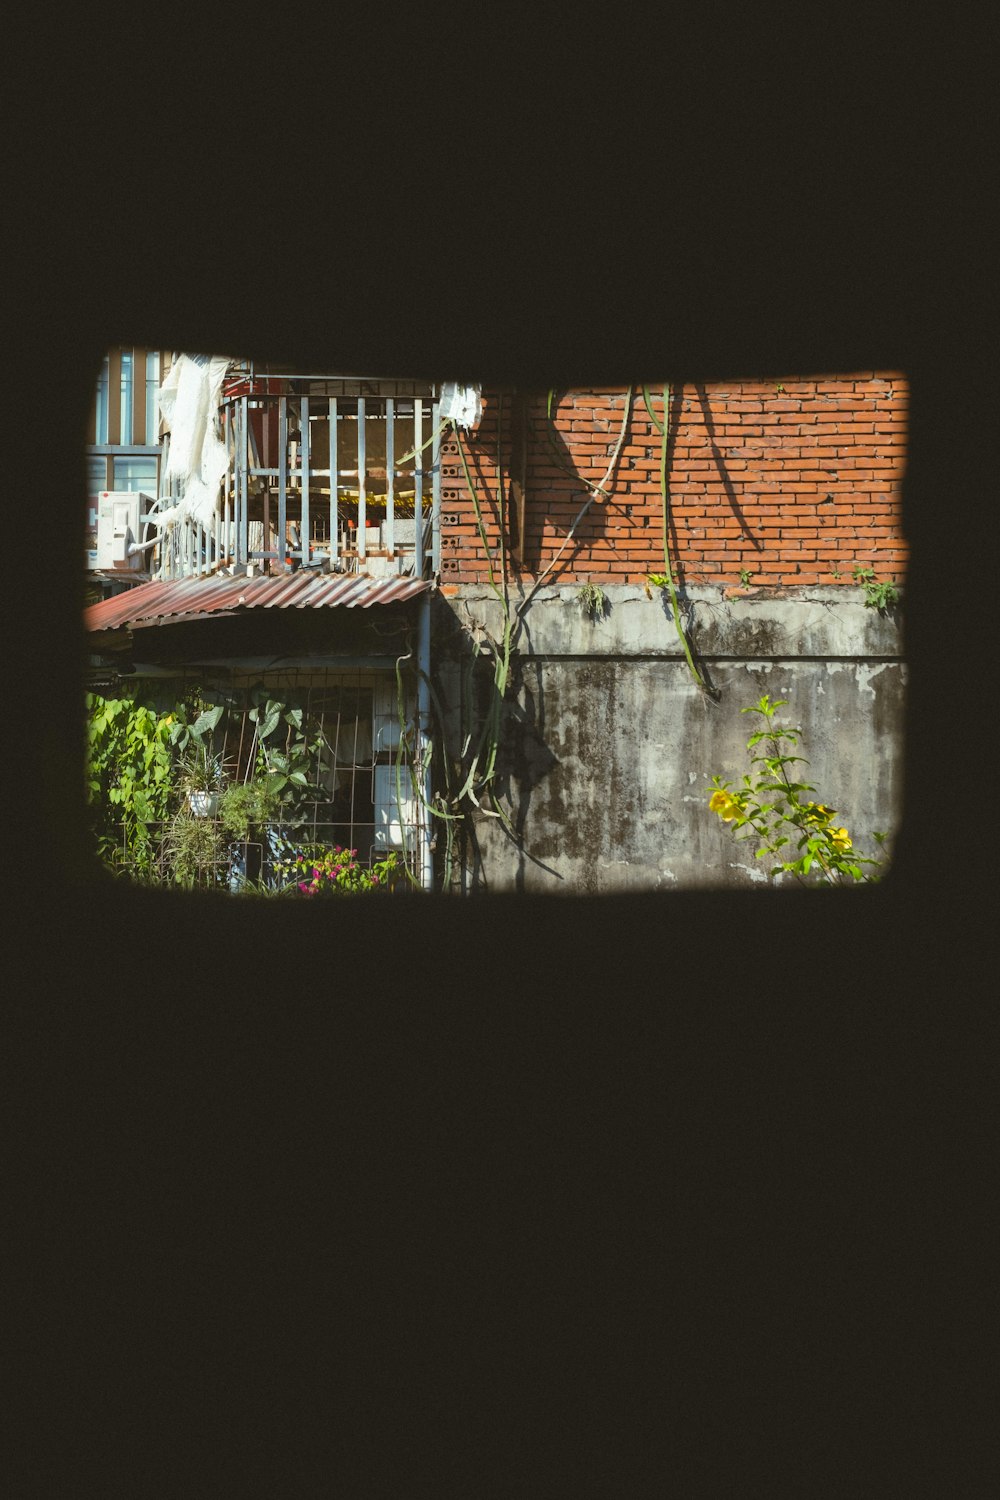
189	403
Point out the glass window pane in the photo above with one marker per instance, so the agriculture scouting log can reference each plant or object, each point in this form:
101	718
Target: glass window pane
135	474
101	404
97	475
97	480
126	430
152	394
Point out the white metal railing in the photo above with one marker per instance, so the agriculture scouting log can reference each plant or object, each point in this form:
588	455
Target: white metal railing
342	482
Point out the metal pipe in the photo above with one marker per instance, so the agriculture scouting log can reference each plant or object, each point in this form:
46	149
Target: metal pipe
282	483
242	506
334	518
362	471
424	742
418	492
390	473
304	553
436	489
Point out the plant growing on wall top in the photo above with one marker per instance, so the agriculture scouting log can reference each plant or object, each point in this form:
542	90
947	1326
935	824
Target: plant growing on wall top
878	595
592	600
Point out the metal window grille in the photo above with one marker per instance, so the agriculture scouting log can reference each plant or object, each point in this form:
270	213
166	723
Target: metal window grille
344	738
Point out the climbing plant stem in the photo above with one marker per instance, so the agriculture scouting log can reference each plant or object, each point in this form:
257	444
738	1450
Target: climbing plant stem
664	432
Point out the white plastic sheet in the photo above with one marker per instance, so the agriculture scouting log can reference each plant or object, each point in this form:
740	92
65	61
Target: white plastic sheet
189	402
461	404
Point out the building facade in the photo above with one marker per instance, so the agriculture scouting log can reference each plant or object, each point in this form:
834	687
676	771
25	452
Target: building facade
553	605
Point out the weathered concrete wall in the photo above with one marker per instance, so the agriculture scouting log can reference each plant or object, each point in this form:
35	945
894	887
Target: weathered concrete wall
608	745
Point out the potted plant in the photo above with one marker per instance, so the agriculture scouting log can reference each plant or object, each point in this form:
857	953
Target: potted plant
194	851
246	805
200	779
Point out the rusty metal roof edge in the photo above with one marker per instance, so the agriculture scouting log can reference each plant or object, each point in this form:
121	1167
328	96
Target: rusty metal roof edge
222	596
145	622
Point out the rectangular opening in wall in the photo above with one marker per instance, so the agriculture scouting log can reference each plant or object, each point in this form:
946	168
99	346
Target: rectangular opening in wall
609	592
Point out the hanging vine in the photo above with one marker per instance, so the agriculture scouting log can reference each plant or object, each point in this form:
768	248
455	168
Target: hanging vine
666	579
454	806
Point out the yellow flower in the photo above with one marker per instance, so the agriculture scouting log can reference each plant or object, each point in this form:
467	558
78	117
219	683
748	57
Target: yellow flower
817	812
840	840
726	806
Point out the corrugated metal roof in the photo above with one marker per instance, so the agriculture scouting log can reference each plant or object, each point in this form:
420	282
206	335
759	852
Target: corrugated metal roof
192	598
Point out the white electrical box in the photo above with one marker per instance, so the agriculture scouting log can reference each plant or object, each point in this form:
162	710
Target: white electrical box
393	831
119	513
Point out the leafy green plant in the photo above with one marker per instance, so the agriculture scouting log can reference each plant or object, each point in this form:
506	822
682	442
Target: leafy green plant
198	770
287	769
193	852
592	600
128	779
878	595
284	760
745	576
246	806
773	809
187	732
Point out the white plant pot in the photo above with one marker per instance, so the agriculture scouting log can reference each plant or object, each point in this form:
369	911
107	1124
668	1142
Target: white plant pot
203	804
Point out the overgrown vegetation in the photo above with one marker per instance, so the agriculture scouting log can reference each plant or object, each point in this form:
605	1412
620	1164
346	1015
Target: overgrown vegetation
153	759
128	778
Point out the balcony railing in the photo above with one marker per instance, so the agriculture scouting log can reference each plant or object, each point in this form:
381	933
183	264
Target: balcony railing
323	473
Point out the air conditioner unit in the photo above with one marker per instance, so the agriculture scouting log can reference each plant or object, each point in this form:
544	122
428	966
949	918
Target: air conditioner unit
119	514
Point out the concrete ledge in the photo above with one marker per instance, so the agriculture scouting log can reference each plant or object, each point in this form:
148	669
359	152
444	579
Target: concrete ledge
789	623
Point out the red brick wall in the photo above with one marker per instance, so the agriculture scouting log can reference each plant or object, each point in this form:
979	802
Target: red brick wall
796	485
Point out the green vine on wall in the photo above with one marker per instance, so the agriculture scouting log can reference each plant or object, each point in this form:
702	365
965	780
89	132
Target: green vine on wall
666	579
478	773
